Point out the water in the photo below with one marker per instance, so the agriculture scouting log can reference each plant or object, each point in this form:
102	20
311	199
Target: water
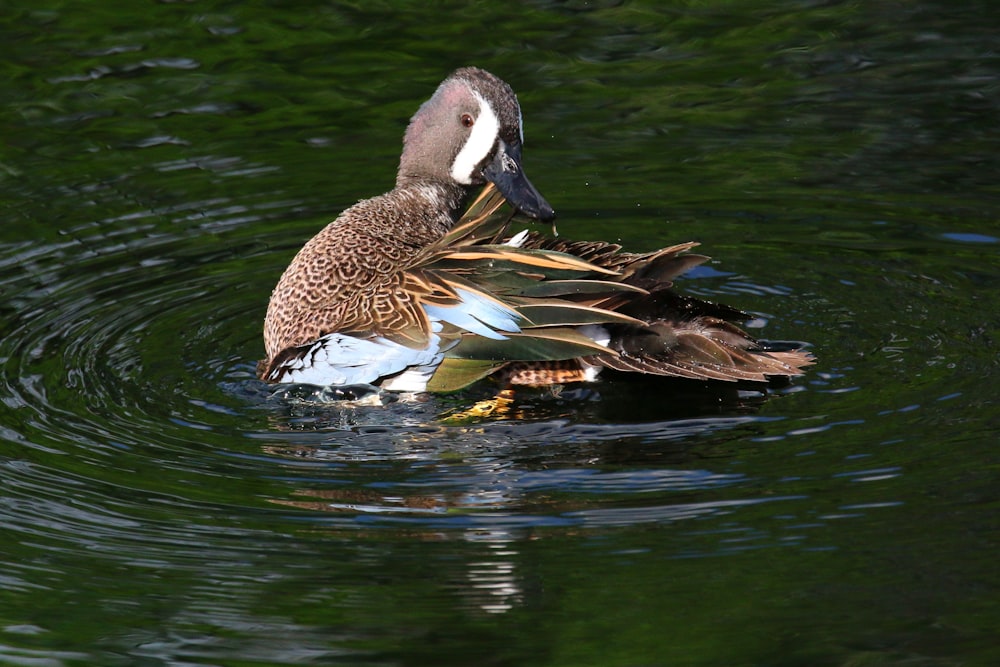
162	162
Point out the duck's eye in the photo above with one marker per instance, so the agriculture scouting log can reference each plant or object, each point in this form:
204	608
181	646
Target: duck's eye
467	120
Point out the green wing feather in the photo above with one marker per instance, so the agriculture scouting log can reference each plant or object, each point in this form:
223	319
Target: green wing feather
555	286
454	373
552	312
550	290
532	344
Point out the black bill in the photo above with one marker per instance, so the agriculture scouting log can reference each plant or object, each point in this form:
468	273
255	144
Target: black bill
506	173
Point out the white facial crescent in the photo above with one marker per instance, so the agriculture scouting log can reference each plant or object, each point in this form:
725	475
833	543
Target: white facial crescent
478	145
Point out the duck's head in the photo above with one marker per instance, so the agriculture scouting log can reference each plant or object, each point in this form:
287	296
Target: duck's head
469	132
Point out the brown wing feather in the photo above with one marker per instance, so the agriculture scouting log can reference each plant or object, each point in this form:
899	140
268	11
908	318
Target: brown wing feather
649	270
653	329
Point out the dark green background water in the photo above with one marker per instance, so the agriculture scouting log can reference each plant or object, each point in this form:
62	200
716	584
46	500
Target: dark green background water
161	163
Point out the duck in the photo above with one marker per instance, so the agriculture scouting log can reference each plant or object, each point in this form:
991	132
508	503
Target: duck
425	288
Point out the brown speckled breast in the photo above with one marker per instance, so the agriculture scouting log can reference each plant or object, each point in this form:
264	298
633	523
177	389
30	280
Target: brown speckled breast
347	278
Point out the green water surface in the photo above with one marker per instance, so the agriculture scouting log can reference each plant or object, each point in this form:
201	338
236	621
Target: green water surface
161	162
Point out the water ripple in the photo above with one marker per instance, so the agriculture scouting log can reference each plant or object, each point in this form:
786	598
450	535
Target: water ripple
132	412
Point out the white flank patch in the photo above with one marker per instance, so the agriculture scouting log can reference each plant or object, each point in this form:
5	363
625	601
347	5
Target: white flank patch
596	333
412	379
602	337
478	145
517	240
590	371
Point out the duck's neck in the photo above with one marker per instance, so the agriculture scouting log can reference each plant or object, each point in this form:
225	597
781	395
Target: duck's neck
447	199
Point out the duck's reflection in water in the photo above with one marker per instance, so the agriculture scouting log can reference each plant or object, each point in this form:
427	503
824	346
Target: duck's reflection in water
496	486
494	584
